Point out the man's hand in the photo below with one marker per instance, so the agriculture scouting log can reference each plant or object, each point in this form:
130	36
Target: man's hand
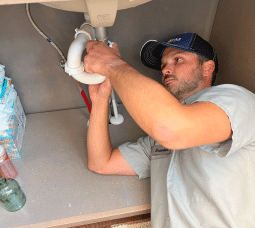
100	57
100	91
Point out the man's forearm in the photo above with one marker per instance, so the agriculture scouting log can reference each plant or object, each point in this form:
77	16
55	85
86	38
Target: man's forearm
148	102
98	140
152	107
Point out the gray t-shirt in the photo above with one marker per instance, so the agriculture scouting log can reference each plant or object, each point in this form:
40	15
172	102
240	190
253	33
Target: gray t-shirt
209	185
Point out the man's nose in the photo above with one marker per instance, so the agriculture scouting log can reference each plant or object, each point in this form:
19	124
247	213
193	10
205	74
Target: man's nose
168	70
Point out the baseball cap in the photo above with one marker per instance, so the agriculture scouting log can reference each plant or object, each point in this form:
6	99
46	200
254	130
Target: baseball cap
152	50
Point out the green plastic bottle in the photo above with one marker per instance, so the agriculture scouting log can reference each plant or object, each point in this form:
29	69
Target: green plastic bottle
11	195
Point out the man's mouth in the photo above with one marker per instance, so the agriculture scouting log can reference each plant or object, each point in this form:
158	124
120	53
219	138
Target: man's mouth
168	79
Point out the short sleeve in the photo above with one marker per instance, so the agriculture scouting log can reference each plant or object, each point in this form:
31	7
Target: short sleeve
138	155
239	104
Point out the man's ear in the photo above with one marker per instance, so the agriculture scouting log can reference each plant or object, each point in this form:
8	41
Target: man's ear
208	68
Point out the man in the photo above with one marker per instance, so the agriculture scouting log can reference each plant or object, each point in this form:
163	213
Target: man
200	148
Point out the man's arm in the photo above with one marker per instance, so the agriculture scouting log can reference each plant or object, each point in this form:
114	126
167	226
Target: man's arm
154	109
163	117
102	158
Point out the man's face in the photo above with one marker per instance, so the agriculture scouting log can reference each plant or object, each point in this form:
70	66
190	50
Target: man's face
182	73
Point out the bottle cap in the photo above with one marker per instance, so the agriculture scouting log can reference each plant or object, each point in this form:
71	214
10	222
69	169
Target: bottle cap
2	151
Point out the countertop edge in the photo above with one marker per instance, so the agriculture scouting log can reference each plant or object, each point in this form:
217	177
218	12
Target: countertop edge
93	218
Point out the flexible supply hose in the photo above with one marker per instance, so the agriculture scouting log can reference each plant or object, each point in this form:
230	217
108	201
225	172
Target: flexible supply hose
85	98
43	34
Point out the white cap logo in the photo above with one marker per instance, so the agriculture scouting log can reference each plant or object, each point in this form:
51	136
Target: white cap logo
174	40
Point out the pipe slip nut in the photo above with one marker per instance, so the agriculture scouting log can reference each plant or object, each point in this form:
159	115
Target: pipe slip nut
87	29
73	71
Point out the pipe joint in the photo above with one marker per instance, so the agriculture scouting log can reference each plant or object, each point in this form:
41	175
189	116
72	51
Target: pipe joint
87	29
72	71
74	65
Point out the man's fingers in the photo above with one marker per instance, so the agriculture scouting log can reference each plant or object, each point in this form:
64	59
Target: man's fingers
90	45
116	48
88	70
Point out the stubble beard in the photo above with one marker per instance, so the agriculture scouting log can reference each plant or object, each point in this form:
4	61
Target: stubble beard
185	87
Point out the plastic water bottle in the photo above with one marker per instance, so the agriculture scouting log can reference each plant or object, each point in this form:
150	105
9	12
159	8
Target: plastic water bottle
7	170
11	195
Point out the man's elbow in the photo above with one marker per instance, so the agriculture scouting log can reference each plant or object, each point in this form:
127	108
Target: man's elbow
92	168
95	169
168	138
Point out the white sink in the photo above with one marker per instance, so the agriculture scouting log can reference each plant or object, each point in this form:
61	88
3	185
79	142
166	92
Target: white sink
102	13
80	5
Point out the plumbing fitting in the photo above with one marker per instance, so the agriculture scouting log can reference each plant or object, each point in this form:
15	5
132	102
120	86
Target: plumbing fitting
74	66
117	118
101	35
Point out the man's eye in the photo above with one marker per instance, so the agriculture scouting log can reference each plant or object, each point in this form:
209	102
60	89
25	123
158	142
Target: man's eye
178	59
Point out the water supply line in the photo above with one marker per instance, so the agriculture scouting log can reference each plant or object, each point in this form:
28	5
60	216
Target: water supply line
63	60
75	67
101	35
42	33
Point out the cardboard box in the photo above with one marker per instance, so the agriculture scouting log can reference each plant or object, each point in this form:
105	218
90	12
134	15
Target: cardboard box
12	117
12	138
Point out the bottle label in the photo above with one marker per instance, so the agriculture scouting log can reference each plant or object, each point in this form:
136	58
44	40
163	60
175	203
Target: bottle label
7	170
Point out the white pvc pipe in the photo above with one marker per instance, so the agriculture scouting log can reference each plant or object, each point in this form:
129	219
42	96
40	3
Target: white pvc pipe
76	49
117	118
116	114
74	66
